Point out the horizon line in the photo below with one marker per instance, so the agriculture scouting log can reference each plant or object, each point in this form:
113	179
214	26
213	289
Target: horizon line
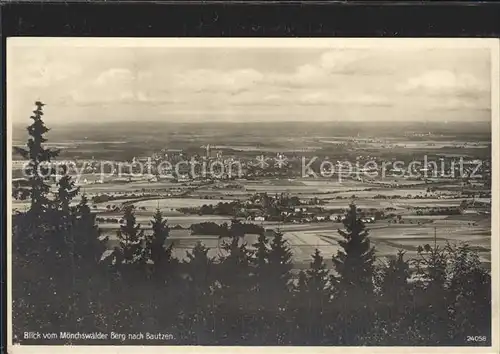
264	121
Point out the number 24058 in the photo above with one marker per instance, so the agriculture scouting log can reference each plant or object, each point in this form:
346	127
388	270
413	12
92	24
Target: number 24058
476	338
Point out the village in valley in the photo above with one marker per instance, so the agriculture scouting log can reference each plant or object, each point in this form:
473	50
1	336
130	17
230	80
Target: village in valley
202	189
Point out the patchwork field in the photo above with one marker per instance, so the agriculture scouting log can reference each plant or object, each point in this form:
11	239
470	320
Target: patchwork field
387	237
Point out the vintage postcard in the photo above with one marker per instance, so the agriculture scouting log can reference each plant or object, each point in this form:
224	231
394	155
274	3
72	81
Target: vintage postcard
248	195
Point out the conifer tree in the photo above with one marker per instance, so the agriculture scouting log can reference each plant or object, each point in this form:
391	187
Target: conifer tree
260	287
393	319
129	270
261	261
300	309
198	302
234	276
89	278
199	267
469	293
431	265
63	241
235	264
280	266
158	252
131	238
40	236
37	172
302	285
66	192
278	292
317	277
395	276
354	263
432	315
317	296
89	244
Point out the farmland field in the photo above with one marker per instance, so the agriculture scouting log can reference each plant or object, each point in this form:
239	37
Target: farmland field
304	239
177	203
387	237
385	192
112	186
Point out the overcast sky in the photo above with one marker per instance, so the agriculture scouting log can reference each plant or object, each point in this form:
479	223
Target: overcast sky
101	83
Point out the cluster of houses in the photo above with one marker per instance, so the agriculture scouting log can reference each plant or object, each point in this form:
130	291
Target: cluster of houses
281	207
310	217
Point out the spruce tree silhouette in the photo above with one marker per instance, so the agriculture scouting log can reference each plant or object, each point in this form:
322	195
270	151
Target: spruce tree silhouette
354	262
261	261
36	249
132	240
66	192
89	244
280	266
396	275
37	172
318	299
354	282
159	254
64	242
198	302
234	276
469	294
275	293
395	298
260	286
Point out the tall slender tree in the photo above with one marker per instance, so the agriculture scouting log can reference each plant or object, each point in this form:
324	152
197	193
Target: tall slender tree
198	303
66	192
259	293
394	311
41	249
317	278
279	294
199	268
132	240
89	243
280	266
159	254
37	171
234	274
318	296
64	229
469	293
354	262
395	278
431	295
354	265
90	277
261	261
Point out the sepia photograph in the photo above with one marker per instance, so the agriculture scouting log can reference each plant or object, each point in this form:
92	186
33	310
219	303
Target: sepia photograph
252	192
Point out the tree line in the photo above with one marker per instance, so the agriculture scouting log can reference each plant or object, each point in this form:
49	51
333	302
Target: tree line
67	278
